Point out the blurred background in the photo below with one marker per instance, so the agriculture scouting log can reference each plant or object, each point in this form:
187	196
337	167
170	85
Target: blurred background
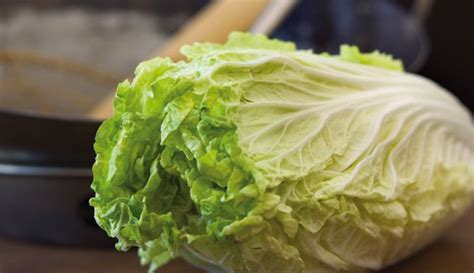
60	59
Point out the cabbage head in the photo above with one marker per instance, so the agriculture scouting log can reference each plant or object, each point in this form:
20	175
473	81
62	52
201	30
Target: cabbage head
253	156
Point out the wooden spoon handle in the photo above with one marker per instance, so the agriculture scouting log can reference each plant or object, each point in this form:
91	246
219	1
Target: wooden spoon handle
214	23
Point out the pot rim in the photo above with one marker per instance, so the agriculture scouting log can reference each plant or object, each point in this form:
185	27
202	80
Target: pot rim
25	170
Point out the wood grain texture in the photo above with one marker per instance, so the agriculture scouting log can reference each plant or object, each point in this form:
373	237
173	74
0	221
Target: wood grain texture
452	253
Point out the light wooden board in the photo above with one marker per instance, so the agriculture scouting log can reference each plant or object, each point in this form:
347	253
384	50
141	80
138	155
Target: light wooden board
452	253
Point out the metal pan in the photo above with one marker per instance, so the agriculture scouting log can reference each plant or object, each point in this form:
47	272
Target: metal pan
44	180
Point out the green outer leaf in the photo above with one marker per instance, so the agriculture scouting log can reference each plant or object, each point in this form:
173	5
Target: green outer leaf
352	54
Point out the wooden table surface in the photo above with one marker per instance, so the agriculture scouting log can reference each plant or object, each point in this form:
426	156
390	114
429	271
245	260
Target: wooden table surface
452	253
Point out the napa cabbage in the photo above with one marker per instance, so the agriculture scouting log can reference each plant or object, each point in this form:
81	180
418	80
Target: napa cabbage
253	156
